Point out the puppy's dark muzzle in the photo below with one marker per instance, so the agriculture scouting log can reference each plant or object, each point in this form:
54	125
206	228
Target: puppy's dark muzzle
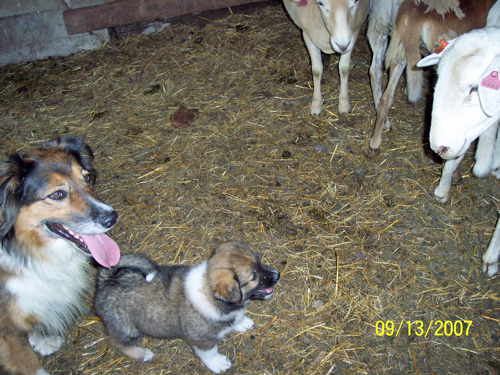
270	276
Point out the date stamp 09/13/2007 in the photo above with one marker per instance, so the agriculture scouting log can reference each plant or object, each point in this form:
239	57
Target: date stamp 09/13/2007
420	328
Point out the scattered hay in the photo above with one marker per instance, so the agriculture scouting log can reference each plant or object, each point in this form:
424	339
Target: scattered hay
358	239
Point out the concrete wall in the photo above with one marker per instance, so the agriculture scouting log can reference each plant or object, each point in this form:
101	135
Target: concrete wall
35	29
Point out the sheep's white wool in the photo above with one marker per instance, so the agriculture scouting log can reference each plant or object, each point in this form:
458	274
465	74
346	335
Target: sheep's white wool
443	6
467	106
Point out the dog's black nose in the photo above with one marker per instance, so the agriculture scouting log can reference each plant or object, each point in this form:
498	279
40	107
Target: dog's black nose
276	276
271	274
107	221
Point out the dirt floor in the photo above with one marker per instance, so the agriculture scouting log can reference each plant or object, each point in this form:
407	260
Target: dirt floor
363	247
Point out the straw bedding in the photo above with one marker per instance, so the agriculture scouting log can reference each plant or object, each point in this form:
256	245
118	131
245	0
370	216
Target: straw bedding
358	238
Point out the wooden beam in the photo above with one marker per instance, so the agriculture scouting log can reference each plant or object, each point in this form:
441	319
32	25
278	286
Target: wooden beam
124	12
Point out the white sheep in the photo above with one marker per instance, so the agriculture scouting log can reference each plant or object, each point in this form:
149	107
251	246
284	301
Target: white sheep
420	23
329	26
467	106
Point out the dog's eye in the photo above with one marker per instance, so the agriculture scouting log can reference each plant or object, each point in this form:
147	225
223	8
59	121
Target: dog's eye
58	195
254	276
86	177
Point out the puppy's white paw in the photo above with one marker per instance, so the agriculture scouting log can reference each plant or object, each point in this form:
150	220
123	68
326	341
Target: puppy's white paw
148	355
136	352
244	325
41	371
45	345
218	363
214	361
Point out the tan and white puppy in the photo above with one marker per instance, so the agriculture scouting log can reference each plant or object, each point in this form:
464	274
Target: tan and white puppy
199	304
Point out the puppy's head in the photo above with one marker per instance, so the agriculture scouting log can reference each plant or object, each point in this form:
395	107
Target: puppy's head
46	195
236	275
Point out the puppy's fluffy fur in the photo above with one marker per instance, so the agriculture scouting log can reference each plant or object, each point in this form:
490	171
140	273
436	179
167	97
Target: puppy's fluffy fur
200	304
50	220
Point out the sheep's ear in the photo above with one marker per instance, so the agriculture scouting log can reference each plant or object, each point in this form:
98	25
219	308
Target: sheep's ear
429	60
435	57
489	88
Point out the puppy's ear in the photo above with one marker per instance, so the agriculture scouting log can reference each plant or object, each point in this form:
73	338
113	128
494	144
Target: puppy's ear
13	171
226	286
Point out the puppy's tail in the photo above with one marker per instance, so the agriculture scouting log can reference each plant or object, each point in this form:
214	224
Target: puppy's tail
130	266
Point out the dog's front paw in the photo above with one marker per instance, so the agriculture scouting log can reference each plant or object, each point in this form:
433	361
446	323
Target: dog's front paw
147	355
244	325
218	363
45	345
41	371
214	361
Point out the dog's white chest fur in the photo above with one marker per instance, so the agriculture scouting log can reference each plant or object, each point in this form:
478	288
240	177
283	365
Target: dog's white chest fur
195	280
51	292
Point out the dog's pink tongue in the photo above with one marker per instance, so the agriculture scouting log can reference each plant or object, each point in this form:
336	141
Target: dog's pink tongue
104	250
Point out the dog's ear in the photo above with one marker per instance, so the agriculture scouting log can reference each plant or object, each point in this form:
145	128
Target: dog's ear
79	149
226	286
13	171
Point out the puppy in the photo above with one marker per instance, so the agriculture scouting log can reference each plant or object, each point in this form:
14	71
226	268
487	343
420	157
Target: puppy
200	304
51	223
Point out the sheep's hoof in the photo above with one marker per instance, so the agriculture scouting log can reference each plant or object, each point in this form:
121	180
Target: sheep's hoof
374	151
344	108
457	177
443	198
490	268
315	109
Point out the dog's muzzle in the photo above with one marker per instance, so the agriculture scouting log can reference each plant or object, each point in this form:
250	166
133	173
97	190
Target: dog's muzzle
268	278
108	220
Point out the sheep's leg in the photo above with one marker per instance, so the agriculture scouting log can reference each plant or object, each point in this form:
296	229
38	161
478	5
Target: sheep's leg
441	193
344	67
317	72
496	154
385	103
378	42
485	152
490	257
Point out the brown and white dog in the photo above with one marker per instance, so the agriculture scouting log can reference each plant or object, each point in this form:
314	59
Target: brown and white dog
51	222
200	304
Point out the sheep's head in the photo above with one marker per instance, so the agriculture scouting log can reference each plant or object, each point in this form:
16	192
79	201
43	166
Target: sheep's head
343	18
466	98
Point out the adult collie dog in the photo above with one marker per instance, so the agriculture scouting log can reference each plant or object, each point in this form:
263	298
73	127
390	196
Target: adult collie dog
51	222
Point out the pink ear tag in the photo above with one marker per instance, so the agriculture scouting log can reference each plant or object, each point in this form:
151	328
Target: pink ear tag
491	81
442	45
302	3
